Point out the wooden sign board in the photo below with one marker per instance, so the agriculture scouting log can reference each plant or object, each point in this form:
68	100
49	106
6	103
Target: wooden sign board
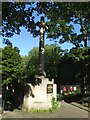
49	88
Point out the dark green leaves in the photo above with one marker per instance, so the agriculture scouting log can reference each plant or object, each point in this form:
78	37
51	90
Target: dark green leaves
11	65
52	56
61	19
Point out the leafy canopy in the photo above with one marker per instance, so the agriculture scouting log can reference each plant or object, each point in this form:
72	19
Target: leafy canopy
61	23
65	17
11	65
52	56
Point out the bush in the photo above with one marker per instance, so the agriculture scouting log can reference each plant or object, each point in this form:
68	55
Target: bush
55	104
59	97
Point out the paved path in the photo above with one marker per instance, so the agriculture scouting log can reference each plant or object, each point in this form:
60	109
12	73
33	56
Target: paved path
66	111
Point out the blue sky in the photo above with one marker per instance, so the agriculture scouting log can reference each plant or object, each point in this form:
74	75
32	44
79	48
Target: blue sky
25	42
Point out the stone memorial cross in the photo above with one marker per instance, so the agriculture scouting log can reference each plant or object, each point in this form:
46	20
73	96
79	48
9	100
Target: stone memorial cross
42	27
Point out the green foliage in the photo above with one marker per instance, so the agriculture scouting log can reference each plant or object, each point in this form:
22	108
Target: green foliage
65	17
52	56
38	110
24	69
33	60
11	65
59	97
30	64
12	74
0	60
61	23
69	93
79	54
17	15
81	58
55	105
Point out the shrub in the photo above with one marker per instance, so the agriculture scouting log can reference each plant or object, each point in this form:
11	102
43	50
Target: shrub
59	97
55	104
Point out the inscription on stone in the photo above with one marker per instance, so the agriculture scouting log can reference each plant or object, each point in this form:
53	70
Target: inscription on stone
49	88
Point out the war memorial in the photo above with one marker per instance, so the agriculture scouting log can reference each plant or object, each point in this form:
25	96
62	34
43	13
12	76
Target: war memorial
40	95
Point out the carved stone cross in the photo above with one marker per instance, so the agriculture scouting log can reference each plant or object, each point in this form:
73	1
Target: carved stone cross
42	27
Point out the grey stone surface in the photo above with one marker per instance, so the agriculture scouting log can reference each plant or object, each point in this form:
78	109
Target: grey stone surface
80	106
66	111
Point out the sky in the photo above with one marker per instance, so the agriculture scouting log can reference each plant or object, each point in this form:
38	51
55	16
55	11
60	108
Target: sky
25	41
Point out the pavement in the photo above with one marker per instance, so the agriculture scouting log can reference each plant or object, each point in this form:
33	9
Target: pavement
66	111
80	106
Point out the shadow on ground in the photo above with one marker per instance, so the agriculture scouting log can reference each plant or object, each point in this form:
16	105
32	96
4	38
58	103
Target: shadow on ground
72	98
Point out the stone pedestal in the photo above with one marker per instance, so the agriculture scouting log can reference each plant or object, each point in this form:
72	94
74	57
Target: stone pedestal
40	95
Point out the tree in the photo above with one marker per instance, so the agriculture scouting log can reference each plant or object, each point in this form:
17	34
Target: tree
11	64
52	56
11	72
65	17
61	23
17	16
81	57
30	64
0	65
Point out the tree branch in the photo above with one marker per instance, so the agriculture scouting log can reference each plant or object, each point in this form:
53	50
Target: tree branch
74	43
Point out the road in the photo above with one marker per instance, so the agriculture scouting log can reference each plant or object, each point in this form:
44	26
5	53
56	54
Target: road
66	111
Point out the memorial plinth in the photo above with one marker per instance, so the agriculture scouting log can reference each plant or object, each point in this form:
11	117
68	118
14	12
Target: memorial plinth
41	95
